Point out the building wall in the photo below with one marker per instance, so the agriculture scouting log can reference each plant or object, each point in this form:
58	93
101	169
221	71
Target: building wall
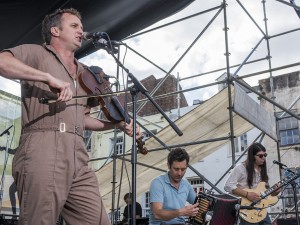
167	103
215	165
212	167
286	91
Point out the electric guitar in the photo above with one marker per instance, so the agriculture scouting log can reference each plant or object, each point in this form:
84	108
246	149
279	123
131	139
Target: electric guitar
258	214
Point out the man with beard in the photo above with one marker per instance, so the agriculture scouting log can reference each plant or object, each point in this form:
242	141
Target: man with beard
170	192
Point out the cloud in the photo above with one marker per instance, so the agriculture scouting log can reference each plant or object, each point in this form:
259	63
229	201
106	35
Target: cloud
165	47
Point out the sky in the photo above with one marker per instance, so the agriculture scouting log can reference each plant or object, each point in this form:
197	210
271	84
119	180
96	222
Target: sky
166	46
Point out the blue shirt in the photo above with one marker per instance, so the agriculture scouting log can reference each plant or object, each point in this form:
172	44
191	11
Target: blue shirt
161	190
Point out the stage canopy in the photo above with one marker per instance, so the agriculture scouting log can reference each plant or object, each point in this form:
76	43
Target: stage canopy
20	20
207	122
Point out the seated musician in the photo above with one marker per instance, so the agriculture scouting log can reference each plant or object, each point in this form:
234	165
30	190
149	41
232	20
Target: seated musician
127	211
170	192
246	176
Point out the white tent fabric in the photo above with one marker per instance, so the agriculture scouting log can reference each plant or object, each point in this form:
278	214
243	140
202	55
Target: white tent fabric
207	121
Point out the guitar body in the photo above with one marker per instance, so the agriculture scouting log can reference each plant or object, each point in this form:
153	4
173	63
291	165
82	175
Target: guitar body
255	216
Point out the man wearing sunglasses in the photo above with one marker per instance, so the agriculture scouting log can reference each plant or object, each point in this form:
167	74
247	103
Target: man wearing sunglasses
248	175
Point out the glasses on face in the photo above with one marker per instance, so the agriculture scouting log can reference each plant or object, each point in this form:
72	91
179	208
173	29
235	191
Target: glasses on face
262	155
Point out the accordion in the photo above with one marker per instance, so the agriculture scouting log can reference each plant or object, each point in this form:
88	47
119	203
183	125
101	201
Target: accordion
215	209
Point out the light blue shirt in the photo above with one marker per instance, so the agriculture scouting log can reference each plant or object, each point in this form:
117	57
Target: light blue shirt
161	190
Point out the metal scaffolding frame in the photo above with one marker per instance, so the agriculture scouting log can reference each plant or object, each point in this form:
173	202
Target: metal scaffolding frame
231	77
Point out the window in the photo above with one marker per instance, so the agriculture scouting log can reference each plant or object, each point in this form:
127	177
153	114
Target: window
288	193
236	147
117	215
197	184
288	130
196	181
147	199
119	145
87	139
146	204
244	142
147	136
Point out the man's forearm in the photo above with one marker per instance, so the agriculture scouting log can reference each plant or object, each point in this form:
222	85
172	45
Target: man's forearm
163	214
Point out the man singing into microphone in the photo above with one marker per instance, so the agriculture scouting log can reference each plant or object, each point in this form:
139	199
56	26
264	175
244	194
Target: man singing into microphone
247	175
50	167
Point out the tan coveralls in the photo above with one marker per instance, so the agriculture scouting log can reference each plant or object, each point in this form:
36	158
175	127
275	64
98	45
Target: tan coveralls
50	166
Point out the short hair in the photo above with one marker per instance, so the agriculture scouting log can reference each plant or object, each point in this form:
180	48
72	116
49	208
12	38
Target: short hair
179	155
54	20
127	195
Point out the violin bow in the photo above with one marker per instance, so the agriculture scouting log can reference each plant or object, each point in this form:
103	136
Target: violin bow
52	100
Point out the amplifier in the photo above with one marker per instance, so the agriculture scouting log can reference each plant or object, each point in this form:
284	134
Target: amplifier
289	221
8	219
13	220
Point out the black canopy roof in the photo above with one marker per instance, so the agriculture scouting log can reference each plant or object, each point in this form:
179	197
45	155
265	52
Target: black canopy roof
20	20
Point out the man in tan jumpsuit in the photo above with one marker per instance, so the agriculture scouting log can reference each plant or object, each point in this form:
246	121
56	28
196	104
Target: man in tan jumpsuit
50	166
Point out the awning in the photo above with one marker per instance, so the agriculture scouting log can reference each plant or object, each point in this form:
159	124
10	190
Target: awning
20	21
208	121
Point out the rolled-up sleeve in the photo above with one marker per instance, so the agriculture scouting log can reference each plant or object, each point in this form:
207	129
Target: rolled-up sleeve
237	178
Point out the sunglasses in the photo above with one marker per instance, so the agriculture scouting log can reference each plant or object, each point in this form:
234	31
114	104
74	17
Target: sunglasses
262	155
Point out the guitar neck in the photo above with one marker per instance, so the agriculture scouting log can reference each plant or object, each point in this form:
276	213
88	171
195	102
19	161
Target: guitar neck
280	184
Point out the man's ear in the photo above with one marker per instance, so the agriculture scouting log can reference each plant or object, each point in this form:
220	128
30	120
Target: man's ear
54	31
169	167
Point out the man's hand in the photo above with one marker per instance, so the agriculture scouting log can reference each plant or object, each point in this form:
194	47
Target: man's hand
128	128
65	93
164	214
190	210
13	68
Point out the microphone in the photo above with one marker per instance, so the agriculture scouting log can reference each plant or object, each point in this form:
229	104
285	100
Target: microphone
208	216
248	207
6	131
109	43
279	163
109	46
93	35
101	37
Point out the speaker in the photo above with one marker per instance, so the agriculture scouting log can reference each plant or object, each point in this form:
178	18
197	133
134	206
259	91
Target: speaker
8	219
13	220
288	221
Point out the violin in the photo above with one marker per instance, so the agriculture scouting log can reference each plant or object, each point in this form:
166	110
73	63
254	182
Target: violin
95	82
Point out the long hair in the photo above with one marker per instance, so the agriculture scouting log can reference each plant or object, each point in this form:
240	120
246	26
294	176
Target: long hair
252	151
54	20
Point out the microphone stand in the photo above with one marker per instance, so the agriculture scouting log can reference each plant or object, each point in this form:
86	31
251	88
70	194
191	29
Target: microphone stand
137	87
294	185
6	131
